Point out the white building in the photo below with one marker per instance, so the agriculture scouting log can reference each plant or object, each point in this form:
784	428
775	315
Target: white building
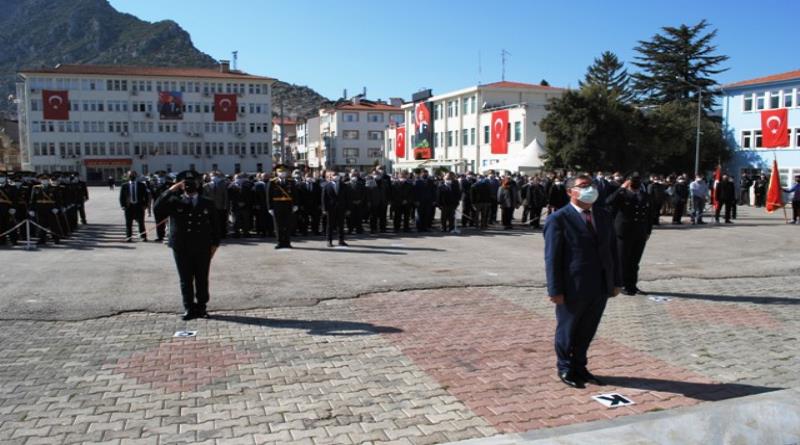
115	118
285	134
347	134
463	127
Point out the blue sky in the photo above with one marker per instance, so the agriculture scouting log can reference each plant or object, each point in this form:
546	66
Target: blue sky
397	48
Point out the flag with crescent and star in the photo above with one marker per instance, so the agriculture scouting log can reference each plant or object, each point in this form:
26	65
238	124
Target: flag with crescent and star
500	132
775	191
56	105
225	107
774	128
400	142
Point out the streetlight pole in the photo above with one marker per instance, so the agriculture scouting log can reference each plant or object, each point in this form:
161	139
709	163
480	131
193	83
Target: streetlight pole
697	141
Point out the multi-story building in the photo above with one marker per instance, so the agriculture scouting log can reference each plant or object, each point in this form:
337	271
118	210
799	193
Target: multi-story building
348	134
463	129
743	104
102	120
284	141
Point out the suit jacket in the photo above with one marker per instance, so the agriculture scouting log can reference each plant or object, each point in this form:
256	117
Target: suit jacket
142	195
578	264
218	193
190	227
336	204
448	196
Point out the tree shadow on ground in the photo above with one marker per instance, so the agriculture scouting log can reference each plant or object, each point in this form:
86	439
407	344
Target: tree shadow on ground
313	327
699	391
732	298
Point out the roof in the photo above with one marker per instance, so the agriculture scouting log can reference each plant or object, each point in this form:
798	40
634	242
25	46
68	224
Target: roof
508	84
286	121
149	71
790	75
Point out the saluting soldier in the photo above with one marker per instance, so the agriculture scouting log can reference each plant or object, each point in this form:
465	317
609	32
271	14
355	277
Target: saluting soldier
282	200
44	206
8	197
193	236
633	224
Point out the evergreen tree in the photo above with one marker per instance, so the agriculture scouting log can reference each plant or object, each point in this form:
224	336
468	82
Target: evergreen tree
544	83
674	63
609	73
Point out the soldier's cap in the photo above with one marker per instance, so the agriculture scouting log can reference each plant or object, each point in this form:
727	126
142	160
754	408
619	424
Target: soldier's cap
281	168
189	175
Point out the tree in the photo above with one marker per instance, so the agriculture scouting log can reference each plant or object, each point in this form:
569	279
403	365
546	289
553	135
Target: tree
673	64
544	83
609	73
590	129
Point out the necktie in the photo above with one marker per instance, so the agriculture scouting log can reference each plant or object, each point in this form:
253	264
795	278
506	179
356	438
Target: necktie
587	216
133	193
336	187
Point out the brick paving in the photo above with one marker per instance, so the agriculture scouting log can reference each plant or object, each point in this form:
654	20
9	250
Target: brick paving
415	367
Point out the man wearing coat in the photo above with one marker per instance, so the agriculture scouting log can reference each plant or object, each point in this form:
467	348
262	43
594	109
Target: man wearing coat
725	194
134	199
633	224
336	206
217	191
448	195
193	237
582	269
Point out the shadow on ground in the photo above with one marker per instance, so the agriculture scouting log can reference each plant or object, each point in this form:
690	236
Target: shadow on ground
313	327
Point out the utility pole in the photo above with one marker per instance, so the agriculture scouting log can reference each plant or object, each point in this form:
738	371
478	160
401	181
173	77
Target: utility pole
283	149
503	54
235	60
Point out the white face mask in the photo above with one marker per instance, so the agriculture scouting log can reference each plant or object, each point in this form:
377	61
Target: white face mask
588	195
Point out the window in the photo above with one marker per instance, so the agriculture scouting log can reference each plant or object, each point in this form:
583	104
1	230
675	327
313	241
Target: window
774	99
760	101
437	111
350	134
787	98
449	138
396	118
450	107
435	140
486	134
465	137
465	106
374	152
350	117
747	139
748	103
472	108
757	139
375	117
517	131
797	137
375	135
351	152
472	136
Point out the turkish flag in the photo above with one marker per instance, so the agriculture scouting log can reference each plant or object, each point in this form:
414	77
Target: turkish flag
717	179
500	132
775	128
775	191
56	105
400	142
225	107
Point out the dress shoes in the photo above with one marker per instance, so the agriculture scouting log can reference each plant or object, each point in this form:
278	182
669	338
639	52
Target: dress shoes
200	312
330	244
571	380
629	292
639	291
342	243
588	377
188	315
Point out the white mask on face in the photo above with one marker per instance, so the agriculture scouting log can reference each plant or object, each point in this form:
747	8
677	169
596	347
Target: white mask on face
588	195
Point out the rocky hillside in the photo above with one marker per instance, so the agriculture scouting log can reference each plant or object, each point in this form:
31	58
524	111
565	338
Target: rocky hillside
47	32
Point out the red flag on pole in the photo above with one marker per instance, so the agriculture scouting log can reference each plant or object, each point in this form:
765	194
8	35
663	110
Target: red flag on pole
225	107
400	143
500	132
775	191
717	179
775	128
55	105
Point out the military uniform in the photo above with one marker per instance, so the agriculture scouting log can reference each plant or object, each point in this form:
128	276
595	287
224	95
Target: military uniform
193	236
45	205
633	223
8	197
282	200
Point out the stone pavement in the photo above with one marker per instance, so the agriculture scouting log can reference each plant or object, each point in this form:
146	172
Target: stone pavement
413	367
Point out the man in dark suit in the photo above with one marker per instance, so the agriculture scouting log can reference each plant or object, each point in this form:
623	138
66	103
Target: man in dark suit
335	205
193	236
583	271
402	196
725	193
310	204
448	196
134	199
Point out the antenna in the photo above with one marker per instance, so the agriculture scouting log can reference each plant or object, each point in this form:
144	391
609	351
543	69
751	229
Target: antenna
503	54
480	68
235	59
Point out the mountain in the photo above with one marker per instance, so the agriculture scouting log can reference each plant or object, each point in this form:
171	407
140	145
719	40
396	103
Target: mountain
36	33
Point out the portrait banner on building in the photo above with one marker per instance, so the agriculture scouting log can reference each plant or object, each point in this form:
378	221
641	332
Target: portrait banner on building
400	142
775	128
500	132
55	105
423	131
170	105
225	107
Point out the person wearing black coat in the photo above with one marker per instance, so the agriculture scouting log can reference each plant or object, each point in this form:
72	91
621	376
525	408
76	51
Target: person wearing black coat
658	194
467	211
310	205
633	224
557	196
402	199
481	197
725	194
335	206
134	198
358	198
241	197
508	199
376	202
680	194
424	200
535	201
448	195
193	237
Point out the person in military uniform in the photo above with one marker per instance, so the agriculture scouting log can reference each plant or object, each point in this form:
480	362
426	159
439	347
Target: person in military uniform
8	197
282	203
633	224
45	205
193	237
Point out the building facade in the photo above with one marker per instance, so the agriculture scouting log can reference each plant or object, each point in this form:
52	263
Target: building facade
463	130
347	134
742	106
103	120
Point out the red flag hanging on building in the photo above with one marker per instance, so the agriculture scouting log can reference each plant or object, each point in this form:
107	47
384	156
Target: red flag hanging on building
500	132
400	142
55	105
775	191
225	107
775	128
717	179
